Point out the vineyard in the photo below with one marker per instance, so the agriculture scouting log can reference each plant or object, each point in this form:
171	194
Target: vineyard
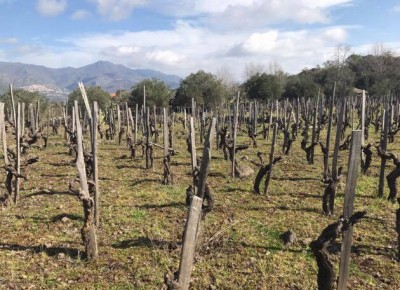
146	169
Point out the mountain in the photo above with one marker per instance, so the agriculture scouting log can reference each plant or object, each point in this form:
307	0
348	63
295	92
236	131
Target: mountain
57	83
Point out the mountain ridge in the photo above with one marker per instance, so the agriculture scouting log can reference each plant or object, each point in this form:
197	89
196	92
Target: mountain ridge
60	81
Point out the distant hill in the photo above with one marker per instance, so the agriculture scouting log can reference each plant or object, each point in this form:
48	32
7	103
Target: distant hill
57	83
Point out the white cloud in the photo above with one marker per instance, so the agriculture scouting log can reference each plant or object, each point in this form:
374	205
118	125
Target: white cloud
396	8
188	48
325	3
240	14
261	42
303	45
165	57
122	50
51	7
246	36
337	34
212	6
226	13
80	14
117	9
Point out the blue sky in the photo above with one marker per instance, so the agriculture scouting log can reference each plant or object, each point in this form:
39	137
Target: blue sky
183	36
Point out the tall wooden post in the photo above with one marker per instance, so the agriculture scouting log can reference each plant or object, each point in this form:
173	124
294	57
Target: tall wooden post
193	221
31	118
3	134
144	113
354	160
363	118
328	135
48	120
95	165
18	151
165	133
205	160
172	130
12	104
37	116
297	115
193	150
89	235
383	145
189	244
234	134
314	130
320	113
148	157
119	125
217	124
271	158
144	98
270	120
136	123
193	110
23	120
340	107
127	118
184	119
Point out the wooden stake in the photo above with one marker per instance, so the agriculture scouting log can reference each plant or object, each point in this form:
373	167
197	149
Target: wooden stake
95	165
363	118
271	158
189	243
89	229
193	150
314	130
85	99
234	134
23	120
165	132
193	109
12	104
119	124
127	117
328	135
136	123
337	139
3	134
383	145
184	119
205	160
354	160
18	151
37	116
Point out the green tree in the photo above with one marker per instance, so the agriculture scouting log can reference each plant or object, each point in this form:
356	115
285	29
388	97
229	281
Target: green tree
205	88
94	94
263	87
158	93
301	85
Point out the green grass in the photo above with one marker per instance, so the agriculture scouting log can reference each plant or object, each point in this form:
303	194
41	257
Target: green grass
142	223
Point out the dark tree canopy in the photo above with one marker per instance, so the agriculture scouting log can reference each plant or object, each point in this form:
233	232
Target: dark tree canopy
158	93
94	94
205	88
379	75
262	86
301	85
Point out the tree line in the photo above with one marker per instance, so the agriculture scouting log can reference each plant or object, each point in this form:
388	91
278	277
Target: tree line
378	73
